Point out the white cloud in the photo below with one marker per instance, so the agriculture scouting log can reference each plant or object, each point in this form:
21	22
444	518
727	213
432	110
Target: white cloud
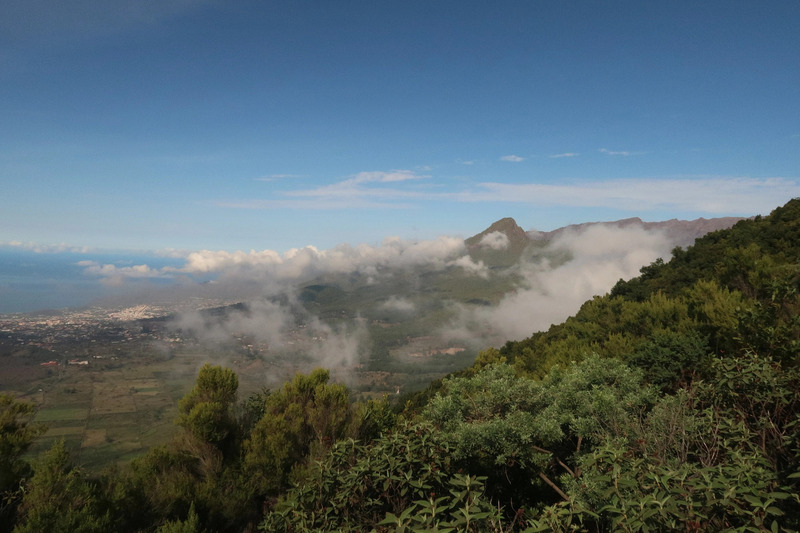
390	200
512	158
385	177
401	189
272	268
612	152
565	154
114	275
399	304
495	240
255	274
205	261
471	267
362	190
263	320
600	256
342	346
275	177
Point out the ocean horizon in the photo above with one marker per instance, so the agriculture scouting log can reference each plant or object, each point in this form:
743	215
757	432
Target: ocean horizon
32	281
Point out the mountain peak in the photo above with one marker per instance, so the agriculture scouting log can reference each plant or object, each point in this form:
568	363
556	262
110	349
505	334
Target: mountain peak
501	244
507	226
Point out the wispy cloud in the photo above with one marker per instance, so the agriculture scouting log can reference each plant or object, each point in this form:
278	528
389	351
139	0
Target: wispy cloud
47	248
617	152
322	202
512	158
115	275
363	186
717	194
385	177
400	189
565	154
275	177
399	304
362	190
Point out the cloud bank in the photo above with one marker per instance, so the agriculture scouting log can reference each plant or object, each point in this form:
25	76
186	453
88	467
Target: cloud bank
579	263
235	276
299	263
551	291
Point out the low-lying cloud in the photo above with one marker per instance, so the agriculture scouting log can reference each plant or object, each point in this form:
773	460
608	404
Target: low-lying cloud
280	330
470	266
296	264
598	256
116	275
398	304
264	321
495	240
576	265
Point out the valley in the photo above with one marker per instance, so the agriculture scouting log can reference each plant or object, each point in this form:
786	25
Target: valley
107	380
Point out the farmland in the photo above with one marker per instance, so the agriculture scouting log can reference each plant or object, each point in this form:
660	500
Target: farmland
110	388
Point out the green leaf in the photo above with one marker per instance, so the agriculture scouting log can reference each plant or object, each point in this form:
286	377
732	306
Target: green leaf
391	518
778	495
756	502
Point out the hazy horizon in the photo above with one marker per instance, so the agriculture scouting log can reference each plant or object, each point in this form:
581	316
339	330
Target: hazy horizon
36	278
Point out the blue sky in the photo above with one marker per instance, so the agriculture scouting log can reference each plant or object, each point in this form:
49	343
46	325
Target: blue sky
190	125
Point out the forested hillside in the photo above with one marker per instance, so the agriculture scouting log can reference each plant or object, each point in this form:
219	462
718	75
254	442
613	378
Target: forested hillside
671	403
734	291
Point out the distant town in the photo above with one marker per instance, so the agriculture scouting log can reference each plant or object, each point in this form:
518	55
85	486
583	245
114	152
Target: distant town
79	335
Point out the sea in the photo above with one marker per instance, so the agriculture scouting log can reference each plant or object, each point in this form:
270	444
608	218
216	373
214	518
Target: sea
37	282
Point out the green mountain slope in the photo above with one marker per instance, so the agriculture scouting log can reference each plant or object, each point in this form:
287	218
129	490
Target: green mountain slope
733	291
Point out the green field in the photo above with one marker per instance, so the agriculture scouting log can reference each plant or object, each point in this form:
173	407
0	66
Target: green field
109	412
51	414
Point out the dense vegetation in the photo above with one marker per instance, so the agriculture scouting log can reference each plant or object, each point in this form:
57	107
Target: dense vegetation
671	403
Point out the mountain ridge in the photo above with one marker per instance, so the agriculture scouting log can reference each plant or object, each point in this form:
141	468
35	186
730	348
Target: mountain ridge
505	242
690	228
683	231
